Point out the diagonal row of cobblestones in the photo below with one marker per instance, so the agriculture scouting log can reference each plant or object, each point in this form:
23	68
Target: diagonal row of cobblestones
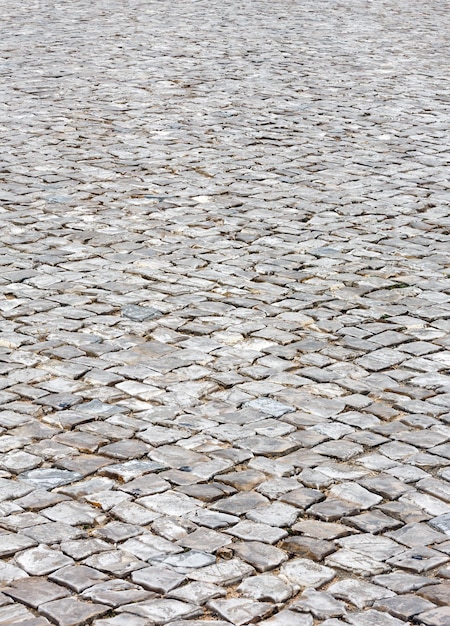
224	298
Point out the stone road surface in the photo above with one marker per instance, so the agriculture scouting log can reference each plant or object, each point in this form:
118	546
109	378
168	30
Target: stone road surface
224	296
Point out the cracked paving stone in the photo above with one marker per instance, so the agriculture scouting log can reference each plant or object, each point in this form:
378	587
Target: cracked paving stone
272	407
276	514
185	562
223	572
320	604
307	573
321	530
261	556
240	611
266	588
114	562
212	519
171	503
161	611
356	563
71	611
116	593
248	530
35	591
359	593
199	593
376	547
357	495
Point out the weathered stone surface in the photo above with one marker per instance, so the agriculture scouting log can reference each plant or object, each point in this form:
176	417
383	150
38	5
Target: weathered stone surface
435	617
307	573
356	563
224	305
320	604
404	607
240	611
360	593
161	611
266	588
78	577
261	556
42	560
71	612
316	549
35	591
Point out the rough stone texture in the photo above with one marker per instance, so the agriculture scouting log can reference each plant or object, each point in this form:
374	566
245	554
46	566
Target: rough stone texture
224	312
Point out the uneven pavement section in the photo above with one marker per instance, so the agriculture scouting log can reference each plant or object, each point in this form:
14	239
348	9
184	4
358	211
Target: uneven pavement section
224	292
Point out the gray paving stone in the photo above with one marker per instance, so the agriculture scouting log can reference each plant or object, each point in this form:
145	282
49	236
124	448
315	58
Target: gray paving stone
77	577
20	615
289	618
266	587
35	591
115	593
320	604
223	572
261	556
372	617
360	593
254	329
435	617
419	559
185	562
356	563
11	543
248	530
403	583
307	573
42	560
197	592
404	607
71	611
161	611
240	611
114	562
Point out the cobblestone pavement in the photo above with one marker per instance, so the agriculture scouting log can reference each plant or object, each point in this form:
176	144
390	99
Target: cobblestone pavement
224	299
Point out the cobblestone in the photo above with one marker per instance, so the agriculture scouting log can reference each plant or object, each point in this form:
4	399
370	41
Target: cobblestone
224	313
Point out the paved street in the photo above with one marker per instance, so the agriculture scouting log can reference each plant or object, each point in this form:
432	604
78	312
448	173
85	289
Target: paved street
224	313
